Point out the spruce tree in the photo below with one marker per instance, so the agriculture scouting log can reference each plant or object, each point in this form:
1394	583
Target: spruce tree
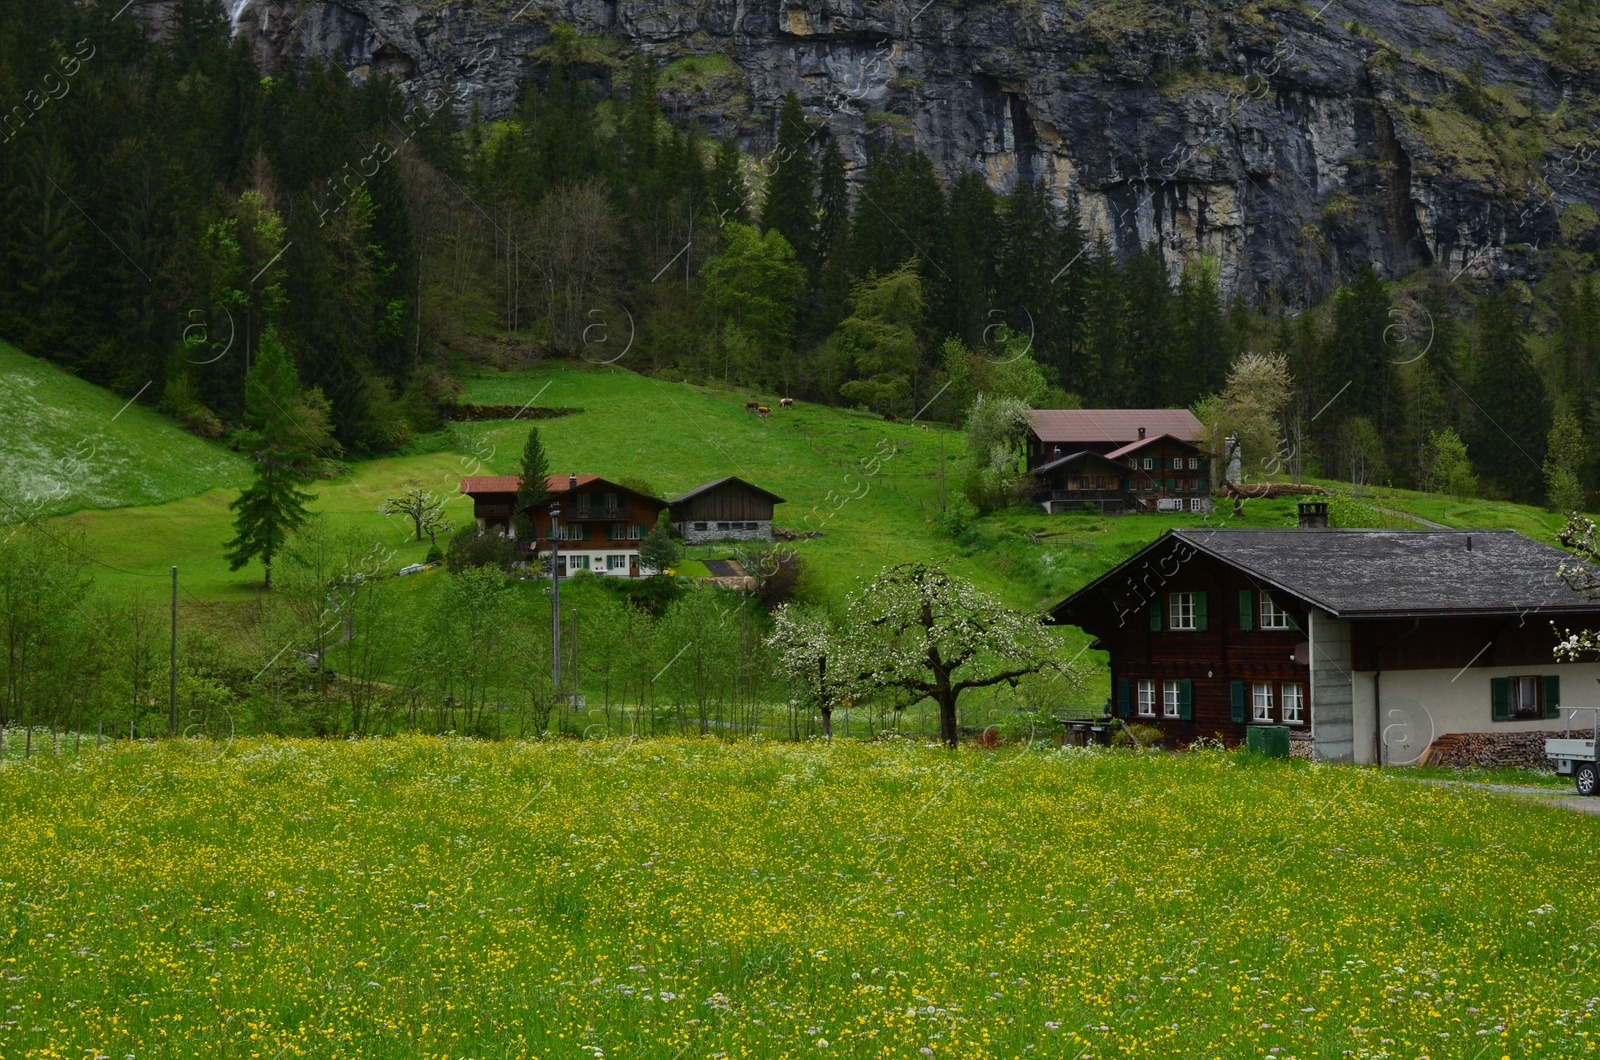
659	551
535	484
1356	359
283	437
1027	256
1069	285
726	186
970	248
1566	454
790	206
1511	413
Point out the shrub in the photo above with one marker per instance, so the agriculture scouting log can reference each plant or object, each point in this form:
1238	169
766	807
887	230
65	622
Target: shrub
473	547
1137	735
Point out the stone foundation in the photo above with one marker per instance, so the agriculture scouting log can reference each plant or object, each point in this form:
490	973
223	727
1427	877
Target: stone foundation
691	536
1523	749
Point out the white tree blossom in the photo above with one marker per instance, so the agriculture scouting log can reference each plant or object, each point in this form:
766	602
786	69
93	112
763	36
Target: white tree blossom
1583	576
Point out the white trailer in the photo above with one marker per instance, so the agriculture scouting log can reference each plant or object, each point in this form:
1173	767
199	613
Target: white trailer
1574	753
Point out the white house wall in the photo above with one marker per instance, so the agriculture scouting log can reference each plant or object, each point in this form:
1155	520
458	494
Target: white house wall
1421	705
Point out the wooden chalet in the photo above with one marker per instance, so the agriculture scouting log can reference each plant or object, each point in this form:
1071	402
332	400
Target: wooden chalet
1368	644
599	524
1116	460
727	509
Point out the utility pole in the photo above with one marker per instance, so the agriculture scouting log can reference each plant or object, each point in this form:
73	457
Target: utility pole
172	668
555	596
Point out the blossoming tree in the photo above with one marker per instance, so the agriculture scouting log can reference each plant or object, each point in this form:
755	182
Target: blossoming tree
918	631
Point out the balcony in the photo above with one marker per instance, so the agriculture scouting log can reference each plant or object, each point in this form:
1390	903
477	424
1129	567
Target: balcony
586	514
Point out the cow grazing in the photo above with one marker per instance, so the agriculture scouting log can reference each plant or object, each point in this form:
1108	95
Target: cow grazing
786	403
751	406
762	410
891	417
922	426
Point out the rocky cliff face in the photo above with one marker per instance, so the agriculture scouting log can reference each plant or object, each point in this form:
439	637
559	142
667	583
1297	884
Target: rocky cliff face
1287	142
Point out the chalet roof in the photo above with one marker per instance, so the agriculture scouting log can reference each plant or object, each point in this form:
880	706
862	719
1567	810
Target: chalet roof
490	483
1119	426
730	479
1378	573
511	483
1072	458
1134	447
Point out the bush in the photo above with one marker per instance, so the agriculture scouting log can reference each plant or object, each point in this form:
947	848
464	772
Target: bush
473	547
435	555
654	595
1137	735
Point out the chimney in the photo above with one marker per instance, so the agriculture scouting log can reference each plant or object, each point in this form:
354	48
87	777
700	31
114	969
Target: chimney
1055	453
1313	514
572	483
1141	433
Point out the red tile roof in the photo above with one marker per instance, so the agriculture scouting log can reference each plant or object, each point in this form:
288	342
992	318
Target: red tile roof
490	483
1119	426
510	483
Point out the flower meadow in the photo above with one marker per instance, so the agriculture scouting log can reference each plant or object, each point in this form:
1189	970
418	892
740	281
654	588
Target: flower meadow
424	897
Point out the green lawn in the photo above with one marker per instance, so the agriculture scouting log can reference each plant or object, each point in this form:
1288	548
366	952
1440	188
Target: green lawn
690	898
67	444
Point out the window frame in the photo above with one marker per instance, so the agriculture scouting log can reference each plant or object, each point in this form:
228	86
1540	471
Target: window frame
1171	699
1280	619
1536	710
1194	463
1261	702
1181	615
1298	717
1149	463
1146	698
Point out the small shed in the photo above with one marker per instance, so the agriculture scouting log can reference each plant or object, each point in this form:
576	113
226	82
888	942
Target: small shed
727	509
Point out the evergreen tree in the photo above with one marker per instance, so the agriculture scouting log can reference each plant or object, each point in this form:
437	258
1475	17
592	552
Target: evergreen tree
1111	374
1070	282
970	247
1202	333
833	239
659	551
535	482
878	243
1150	333
285	433
726	186
1511	411
1354	364
790	205
1027	256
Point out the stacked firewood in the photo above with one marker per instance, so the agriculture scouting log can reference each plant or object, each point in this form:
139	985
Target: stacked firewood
1524	749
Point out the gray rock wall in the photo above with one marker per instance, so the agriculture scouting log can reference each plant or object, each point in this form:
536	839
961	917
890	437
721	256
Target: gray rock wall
1288	146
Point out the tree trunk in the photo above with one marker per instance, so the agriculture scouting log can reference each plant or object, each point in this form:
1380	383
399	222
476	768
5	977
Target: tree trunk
946	698
827	723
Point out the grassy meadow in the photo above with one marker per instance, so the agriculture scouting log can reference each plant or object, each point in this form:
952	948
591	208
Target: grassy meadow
669	899
68	444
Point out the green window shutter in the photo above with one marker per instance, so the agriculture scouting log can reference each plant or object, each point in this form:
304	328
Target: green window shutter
1552	695
1236	699
1247	610
1155	615
1500	698
1124	701
1200	612
1186	700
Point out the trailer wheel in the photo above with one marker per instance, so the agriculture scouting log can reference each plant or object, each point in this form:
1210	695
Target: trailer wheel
1587	778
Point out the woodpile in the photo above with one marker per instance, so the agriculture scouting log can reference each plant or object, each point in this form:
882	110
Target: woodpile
1523	749
1300	747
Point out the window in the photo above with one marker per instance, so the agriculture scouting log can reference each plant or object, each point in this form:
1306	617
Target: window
1200	485
1171	699
1147	699
1194	463
1273	616
1197	504
1517	698
616	562
571	532
722	526
1133	462
1182	611
577	563
697	526
752	526
1262	701
1294	704
1525	697
1149	463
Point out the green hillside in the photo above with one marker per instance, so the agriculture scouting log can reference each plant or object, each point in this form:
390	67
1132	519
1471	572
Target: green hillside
68	445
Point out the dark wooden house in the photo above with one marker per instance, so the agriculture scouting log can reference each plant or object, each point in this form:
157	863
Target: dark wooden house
727	509
599	524
1159	474
1115	460
1368	644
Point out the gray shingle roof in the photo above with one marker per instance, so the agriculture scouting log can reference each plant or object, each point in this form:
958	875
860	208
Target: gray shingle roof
680	498
1373	573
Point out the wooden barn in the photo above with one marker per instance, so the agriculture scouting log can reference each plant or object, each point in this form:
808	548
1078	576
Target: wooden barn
1370	645
727	509
600	524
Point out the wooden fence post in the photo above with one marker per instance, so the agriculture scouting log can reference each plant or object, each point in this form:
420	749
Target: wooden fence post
99	729
27	745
